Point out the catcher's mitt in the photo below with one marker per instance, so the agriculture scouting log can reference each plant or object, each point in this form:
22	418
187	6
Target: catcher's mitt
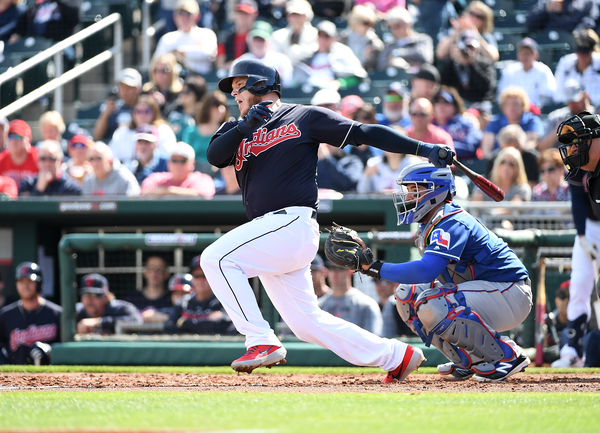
344	249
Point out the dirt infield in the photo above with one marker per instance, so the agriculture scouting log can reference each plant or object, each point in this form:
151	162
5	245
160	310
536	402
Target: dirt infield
301	383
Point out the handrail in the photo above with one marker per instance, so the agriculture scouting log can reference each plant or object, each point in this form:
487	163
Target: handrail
115	51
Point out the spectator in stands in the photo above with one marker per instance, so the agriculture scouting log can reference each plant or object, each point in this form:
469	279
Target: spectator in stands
350	104
577	100
566	15
319	273
514	136
188	104
99	310
179	286
259	47
145	112
117	112
583	65
199	312
366	113
477	17
337	170
211	115
52	127
396	102
469	72
181	179
422	128
147	160
425	83
3	133
50	179
333	64
480	114
553	186
233	42
109	176
153	297
51	19
393	325
361	37
434	16
195	47
381	172
508	172
228	184
10	11
448	109
8	188
298	40
78	166
327	98
515	107
20	160
164	84
349	303
556	320
408	49
381	7
533	76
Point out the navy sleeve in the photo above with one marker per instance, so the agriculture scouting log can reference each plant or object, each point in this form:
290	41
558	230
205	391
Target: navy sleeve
224	145
122	310
425	270
578	207
384	138
171	323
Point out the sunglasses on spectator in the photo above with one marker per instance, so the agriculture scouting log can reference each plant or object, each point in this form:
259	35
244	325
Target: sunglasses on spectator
366	23
14	136
95	158
548	170
164	70
420	114
47	158
476	15
179	160
511	163
143	111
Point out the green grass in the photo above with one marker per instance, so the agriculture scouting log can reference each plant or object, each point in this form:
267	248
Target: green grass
293	412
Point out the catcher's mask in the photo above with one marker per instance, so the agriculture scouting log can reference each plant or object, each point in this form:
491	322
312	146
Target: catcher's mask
422	187
575	135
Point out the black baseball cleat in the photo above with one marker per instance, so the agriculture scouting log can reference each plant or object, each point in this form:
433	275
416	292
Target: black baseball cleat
501	370
451	371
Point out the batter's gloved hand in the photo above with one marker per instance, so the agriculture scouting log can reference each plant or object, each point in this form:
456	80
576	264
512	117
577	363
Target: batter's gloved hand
589	248
257	116
438	155
344	248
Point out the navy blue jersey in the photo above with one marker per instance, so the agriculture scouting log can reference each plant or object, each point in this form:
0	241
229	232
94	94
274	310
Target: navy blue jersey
276	165
194	317
20	329
163	302
115	310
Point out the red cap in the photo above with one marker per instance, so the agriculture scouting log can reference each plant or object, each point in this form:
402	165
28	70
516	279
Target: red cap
350	104
20	127
83	139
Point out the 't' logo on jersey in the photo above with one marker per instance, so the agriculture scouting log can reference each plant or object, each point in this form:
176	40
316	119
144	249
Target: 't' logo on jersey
263	141
441	238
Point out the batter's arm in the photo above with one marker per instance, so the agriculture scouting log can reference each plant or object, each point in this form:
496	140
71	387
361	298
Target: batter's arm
223	147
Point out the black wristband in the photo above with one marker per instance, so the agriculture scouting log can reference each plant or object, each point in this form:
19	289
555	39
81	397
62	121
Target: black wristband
373	270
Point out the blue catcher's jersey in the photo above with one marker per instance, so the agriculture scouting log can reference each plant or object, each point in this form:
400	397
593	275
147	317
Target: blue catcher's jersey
474	249
276	165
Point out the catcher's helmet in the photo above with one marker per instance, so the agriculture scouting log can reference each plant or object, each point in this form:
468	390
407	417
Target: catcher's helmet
181	282
31	271
262	78
575	135
412	204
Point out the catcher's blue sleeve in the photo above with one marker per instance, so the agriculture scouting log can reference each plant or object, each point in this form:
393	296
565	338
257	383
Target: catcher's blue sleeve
425	270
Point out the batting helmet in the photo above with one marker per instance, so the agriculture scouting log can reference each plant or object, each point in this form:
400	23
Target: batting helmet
413	203
262	78
575	135
31	271
181	282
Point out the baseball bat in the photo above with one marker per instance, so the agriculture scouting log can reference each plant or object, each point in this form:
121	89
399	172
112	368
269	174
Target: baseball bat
487	186
540	314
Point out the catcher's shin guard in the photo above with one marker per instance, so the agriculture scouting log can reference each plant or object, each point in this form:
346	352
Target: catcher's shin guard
444	313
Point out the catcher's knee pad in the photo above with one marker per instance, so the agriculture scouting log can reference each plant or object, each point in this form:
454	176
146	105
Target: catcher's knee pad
406	297
443	312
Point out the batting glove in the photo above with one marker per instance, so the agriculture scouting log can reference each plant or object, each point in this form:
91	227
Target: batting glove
257	116
432	153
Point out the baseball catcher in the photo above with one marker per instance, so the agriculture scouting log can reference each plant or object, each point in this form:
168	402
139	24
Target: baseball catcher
467	287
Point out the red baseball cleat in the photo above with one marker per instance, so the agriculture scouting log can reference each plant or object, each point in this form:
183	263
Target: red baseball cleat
259	356
413	358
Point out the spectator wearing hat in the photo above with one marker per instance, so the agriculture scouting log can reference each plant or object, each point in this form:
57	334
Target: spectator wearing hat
361	37
109	176
350	104
8	188
319	272
577	100
78	166
535	77
298	40
50	179
327	98
259	48
99	310
473	75
199	312
583	65
181	179
116	110
188	104
153	301
233	42
408	47
20	160
422	128
448	110
567	15
394	110
147	160
195	47
425	83
333	64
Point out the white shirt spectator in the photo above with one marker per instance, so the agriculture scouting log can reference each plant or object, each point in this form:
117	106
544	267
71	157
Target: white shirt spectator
199	47
538	82
305	48
123	143
281	62
590	78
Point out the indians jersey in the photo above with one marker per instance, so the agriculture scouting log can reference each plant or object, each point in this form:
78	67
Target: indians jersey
20	329
195	317
276	165
471	247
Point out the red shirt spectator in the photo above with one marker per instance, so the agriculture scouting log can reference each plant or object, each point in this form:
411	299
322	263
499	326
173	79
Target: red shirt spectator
20	161
421	115
8	187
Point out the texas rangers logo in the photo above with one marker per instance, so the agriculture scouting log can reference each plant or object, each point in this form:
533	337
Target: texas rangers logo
440	237
263	140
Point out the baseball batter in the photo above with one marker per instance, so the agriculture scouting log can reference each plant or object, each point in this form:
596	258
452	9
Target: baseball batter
274	151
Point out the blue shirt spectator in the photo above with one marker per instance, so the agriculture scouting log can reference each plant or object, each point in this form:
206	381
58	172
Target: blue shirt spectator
567	15
9	18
